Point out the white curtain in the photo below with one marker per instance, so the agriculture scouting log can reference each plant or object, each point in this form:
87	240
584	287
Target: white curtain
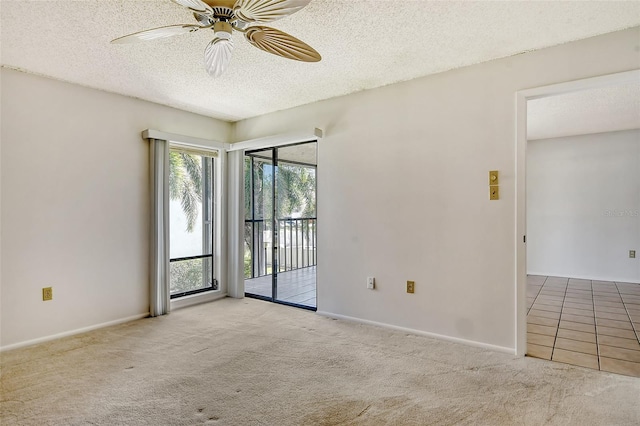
235	200
159	292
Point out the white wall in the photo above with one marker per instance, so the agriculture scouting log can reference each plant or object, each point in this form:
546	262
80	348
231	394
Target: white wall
0	206
583	206
75	203
403	195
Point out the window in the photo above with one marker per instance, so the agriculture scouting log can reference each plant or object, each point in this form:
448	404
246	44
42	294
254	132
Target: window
191	222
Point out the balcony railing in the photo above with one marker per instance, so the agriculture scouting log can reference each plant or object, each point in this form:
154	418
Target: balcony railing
296	245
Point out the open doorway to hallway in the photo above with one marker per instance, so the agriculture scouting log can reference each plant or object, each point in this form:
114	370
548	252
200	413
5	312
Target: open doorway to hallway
281	225
583	228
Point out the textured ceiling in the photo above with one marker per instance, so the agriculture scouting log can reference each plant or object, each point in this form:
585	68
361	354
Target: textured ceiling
606	109
364	44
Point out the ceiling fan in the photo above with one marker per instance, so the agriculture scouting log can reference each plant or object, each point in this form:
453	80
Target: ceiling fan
225	16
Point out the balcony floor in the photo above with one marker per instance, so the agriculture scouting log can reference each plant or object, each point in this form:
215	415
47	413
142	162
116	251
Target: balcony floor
298	286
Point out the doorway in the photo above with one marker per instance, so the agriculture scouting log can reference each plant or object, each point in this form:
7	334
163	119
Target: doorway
578	279
280	233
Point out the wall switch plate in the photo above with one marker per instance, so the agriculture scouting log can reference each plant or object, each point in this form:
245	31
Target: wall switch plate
632	254
494	178
494	192
371	283
47	293
411	286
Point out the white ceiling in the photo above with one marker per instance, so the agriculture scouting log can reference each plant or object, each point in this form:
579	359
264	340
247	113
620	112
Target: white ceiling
364	43
605	109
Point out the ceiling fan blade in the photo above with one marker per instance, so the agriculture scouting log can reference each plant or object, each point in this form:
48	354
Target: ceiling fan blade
156	33
195	6
217	56
267	10
281	44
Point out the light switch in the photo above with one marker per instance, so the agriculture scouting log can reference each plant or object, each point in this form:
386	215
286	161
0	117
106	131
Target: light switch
371	283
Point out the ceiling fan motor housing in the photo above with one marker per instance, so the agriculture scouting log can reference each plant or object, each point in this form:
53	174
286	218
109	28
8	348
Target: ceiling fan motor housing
223	29
221	3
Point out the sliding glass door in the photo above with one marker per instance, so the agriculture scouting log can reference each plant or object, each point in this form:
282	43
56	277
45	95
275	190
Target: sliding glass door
280	224
260	256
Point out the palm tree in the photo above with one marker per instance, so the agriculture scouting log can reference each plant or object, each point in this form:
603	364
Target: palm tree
296	194
297	191
185	184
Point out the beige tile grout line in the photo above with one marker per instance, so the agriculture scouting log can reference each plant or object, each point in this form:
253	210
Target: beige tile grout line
636	331
595	323
633	326
537	294
555	339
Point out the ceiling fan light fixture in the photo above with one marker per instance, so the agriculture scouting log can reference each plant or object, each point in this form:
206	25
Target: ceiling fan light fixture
217	54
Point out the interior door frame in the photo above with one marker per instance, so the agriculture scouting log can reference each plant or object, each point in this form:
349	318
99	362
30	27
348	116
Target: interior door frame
522	97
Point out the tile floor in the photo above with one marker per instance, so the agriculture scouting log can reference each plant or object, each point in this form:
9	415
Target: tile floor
594	324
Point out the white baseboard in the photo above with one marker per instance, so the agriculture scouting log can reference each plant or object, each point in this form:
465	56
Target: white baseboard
584	277
196	299
72	332
496	348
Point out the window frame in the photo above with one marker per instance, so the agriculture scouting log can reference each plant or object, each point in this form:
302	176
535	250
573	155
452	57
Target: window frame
216	156
208	185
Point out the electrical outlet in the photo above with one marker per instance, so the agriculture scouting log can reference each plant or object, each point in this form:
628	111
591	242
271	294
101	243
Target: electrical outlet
411	286
47	293
632	254
371	283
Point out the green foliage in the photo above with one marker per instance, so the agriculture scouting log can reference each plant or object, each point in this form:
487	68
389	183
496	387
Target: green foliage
296	191
263	190
247	263
247	187
186	275
185	184
296	195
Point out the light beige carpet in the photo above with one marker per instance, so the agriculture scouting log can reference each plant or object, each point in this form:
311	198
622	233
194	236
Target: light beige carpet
247	362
